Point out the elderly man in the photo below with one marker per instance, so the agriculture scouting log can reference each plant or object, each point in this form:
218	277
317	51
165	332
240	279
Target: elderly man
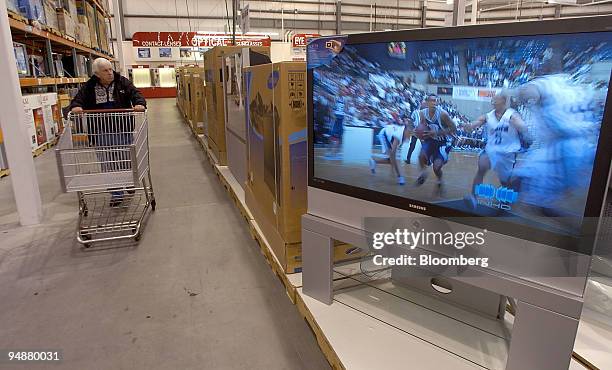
106	89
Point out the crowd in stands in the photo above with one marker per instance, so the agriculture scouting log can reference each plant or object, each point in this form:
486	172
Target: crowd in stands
443	66
372	97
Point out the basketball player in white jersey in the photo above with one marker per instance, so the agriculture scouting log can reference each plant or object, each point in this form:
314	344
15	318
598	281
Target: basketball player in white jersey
566	122
415	117
505	132
436	140
391	138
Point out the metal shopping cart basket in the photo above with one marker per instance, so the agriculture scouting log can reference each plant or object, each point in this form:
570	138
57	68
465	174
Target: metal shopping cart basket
103	156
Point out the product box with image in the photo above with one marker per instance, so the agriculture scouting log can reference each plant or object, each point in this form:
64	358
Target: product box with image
277	152
66	23
234	90
13	6
91	21
50	14
215	107
34	120
103	40
196	86
83	33
50	114
33	10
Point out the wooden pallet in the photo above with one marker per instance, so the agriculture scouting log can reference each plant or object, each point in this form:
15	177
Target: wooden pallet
272	261
17	17
326	348
52	143
4	173
40	150
56	32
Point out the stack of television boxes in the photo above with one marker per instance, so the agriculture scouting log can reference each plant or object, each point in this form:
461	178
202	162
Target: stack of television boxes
192	97
76	19
214	97
275	190
42	118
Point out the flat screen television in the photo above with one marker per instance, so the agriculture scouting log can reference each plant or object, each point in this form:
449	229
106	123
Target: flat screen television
510	124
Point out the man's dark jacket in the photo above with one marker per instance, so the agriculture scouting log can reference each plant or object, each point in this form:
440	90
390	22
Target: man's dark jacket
126	95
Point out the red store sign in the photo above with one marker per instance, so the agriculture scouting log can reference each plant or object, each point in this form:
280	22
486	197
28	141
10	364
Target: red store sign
301	39
196	39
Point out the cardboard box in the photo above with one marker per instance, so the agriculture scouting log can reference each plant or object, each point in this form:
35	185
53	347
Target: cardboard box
215	110
34	120
67	25
277	151
90	12
50	14
13	6
234	91
33	10
103	38
50	106
81	8
198	100
83	33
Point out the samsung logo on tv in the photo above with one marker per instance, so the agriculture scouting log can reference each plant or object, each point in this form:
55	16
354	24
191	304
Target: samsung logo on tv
420	208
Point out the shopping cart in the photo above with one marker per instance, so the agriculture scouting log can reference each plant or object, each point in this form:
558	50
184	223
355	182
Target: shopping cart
103	156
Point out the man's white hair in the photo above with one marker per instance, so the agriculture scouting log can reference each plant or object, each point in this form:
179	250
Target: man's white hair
100	63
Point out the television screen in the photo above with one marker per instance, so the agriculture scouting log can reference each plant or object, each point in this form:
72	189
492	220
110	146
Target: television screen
165	52
144	53
502	127
397	50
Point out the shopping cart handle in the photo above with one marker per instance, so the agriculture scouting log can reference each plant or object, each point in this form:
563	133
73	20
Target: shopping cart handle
122	110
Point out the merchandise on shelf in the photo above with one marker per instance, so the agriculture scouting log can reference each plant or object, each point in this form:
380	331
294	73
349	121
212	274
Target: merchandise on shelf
277	151
103	41
58	65
13	6
34	120
66	23
81	8
33	10
68	5
80	70
38	66
51	114
64	102
21	58
91	21
50	14
83	33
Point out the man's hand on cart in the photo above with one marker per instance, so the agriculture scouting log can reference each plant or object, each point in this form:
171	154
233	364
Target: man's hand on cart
139	108
77	110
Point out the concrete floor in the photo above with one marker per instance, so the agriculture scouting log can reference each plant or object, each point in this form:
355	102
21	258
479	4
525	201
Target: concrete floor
194	294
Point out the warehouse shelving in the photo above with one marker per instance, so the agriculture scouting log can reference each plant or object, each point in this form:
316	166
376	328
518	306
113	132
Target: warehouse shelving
48	81
48	42
58	43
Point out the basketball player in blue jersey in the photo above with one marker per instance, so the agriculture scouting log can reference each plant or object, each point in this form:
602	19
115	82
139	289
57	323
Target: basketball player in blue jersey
507	133
436	130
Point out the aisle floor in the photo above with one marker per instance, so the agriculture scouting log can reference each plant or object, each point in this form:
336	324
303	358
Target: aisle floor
194	294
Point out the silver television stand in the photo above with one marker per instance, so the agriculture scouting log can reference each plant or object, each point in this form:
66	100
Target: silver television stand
546	319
